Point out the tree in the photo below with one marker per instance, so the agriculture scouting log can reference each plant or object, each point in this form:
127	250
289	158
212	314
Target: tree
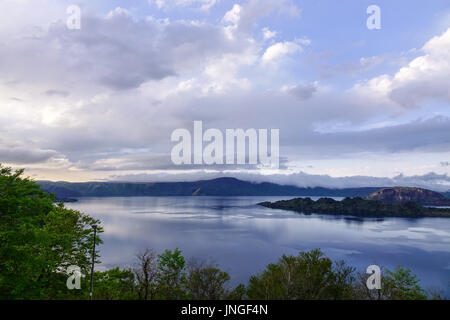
310	275
401	284
274	283
342	286
206	281
114	284
38	240
171	275
238	293
146	270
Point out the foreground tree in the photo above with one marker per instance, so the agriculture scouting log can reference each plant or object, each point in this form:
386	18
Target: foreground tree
310	275
171	275
238	293
146	270
206	281
39	240
401	284
114	284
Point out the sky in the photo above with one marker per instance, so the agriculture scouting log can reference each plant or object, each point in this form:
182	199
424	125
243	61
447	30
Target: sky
355	106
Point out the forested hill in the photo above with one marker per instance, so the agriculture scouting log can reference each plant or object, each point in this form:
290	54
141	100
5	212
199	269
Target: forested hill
215	187
405	194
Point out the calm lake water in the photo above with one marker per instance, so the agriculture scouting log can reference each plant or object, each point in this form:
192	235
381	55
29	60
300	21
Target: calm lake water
243	237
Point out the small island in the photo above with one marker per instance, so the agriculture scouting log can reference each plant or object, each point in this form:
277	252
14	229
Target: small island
358	207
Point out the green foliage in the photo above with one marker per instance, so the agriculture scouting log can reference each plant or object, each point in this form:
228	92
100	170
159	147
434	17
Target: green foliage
401	285
114	284
238	293
310	275
171	275
38	240
206	281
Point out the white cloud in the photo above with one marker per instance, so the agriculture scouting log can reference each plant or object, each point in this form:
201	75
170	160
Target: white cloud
118	52
278	50
202	4
424	78
233	16
118	11
244	17
268	34
369	62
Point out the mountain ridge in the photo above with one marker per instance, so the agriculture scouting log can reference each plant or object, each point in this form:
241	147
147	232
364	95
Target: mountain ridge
225	186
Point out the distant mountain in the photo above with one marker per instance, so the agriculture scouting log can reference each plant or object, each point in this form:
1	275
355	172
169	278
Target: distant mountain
407	194
215	187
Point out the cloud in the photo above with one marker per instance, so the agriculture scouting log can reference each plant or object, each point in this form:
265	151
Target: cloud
161	162
268	34
234	15
424	78
301	91
24	155
202	4
277	51
243	18
117	51
364	64
418	135
54	92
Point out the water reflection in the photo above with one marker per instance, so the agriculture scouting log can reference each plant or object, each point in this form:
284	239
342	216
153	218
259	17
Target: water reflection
243	237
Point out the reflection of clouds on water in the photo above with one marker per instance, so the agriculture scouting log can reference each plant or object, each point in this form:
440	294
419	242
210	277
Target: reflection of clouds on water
337	253
440	233
430	238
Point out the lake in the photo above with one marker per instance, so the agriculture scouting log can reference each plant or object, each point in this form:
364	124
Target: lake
243	237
